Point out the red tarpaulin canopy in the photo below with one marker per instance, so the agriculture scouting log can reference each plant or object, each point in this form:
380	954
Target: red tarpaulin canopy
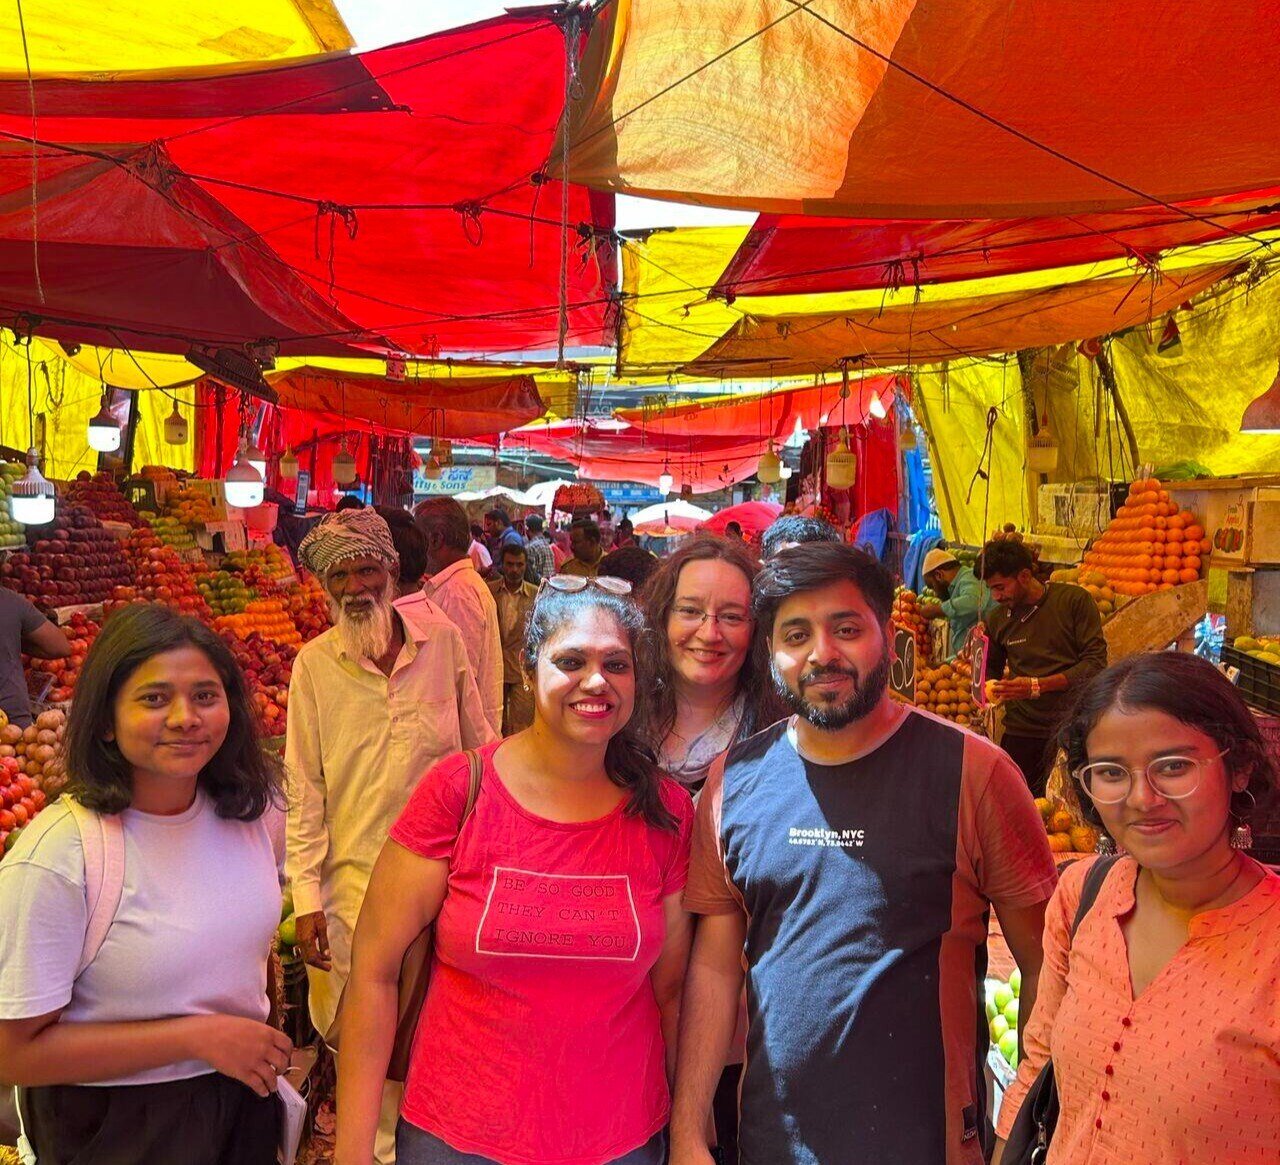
418	210
769	415
754	517
802	255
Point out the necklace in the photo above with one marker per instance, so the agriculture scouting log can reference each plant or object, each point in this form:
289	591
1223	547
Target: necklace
1035	606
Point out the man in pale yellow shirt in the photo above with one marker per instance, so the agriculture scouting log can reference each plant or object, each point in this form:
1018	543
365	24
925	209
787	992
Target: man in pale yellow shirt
584	537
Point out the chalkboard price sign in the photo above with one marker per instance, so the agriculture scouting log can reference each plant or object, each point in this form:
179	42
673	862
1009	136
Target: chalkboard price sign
902	675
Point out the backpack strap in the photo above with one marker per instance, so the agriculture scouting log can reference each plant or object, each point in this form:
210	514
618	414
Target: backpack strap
476	764
1090	888
102	838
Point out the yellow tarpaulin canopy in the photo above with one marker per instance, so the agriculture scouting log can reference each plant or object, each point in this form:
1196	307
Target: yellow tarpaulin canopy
64	397
102	37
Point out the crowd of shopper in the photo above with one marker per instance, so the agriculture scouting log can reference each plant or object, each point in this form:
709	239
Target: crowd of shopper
698	888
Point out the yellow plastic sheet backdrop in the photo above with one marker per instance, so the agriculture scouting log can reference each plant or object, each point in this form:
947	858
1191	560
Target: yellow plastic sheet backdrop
66	398
67	37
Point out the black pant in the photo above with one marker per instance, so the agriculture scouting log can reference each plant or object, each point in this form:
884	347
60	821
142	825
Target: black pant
1034	755
724	1110
206	1120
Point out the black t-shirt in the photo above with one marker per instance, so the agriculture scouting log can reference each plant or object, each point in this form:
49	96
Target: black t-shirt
17	618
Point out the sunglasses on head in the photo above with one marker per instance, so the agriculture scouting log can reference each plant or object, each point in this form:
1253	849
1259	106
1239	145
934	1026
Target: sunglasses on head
571	584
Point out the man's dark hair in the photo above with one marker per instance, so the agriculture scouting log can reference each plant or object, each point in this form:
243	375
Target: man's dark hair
633	563
793	528
241	780
533	523
625	526
815	565
446	517
511	548
608	517
348	502
588	527
733	528
1005	558
411	546
498	515
394	516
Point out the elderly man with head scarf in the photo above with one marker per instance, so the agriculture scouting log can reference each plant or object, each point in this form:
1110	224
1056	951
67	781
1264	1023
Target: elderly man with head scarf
374	702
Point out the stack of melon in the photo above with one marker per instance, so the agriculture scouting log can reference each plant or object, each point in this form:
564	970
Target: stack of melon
1149	545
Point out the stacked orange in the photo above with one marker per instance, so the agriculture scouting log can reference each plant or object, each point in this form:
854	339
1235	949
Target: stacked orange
267	617
1150	545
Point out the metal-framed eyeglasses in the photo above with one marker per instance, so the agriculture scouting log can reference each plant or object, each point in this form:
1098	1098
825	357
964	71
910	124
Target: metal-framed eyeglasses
1173	777
690	616
571	584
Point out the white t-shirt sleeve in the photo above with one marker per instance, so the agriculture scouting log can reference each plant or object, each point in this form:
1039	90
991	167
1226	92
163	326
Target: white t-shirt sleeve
42	926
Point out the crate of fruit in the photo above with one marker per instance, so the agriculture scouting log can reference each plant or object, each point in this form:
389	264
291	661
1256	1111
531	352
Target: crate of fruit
1258	661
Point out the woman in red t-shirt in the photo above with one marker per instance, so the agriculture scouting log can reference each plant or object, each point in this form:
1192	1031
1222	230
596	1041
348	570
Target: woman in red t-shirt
548	1032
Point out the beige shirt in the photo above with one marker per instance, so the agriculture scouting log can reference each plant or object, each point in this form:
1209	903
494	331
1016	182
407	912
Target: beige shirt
358	742
513	617
464	596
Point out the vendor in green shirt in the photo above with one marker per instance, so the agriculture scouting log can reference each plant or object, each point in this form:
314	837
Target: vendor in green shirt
964	600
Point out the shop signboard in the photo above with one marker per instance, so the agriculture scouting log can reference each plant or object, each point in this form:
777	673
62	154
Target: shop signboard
619	495
455	479
902	673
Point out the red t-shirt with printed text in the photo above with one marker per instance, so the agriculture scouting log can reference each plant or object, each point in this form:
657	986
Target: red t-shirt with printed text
540	1040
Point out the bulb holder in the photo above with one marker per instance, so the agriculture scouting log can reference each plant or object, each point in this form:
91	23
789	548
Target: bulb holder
104	431
1263	413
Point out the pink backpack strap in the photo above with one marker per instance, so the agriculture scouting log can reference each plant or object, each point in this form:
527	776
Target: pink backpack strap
102	838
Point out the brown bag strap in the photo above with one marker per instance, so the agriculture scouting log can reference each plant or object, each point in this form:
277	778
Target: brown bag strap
476	764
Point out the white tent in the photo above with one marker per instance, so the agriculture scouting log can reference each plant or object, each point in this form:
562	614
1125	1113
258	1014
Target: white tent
670	517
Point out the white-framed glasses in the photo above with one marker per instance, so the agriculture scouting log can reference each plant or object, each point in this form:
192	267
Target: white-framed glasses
571	584
1173	777
690	616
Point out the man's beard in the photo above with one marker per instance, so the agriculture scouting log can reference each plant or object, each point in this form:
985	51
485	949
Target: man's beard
832	717
365	633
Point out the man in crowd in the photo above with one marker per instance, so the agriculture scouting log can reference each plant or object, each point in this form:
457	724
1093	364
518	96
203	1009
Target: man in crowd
410	546
793	530
584	537
851	855
481	559
514	597
963	598
499	532
23	628
634	563
374	702
541	557
606	530
456	588
1050	636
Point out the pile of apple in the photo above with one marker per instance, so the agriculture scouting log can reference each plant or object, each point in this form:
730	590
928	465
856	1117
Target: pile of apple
946	690
11	532
80	631
906	615
309	606
31	771
1002	1015
101	497
269	562
159	576
268	668
71	561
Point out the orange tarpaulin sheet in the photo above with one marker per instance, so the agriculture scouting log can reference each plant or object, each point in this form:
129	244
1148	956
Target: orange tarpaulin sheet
929	332
930	108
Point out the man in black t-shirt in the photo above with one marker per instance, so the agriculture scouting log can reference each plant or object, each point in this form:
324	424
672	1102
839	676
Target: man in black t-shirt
1050	636
849	858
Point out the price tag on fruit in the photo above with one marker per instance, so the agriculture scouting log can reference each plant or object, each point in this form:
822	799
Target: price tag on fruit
979	649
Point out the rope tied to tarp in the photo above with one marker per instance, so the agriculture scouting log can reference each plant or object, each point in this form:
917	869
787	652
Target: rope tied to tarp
333	212
472	227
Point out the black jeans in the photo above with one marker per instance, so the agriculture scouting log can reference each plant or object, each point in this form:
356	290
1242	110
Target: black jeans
1034	755
206	1120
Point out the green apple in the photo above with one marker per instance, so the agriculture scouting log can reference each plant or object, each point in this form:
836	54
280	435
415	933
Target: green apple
1009	1048
1004	996
1015	981
1011	1012
997	1028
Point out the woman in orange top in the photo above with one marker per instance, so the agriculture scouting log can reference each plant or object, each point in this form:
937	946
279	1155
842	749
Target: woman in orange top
1162	1016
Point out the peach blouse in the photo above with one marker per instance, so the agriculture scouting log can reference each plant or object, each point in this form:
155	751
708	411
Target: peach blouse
1187	1072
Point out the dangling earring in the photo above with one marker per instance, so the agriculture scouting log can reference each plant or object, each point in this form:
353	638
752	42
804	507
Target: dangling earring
1106	845
1242	832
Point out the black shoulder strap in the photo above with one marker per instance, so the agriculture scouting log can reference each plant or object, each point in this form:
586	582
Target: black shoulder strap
1092	885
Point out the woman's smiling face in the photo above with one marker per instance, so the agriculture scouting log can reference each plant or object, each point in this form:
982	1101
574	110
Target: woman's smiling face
710	651
585	682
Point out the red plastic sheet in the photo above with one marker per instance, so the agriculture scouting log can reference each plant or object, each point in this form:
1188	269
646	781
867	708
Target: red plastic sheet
422	221
802	255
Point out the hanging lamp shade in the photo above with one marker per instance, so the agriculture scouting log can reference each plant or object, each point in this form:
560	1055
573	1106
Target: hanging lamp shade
1042	452
769	471
104	431
176	429
665	481
1263	414
344	468
243	484
431	470
288	466
842	464
258	459
34	499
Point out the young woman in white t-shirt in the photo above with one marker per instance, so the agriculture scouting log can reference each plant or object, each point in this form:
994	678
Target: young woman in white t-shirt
157	1052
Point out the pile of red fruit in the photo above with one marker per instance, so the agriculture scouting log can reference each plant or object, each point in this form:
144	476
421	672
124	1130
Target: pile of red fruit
101	496
71	561
160	576
309	607
80	631
31	771
906	615
268	668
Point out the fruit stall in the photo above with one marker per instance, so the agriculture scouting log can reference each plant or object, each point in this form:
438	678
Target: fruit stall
103	551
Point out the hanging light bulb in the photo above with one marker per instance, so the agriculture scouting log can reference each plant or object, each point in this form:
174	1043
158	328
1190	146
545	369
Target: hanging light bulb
431	471
785	473
1263	413
769	471
288	467
34	498
344	468
104	431
876	408
842	464
176	429
665	480
258	459
243	483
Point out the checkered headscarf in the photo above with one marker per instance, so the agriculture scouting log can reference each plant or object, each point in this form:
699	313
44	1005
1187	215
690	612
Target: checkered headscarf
345	535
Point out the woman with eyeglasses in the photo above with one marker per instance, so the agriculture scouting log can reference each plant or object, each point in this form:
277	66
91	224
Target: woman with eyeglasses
548	1031
1162	1014
710	674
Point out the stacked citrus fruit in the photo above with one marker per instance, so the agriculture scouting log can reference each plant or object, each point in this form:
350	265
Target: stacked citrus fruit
945	690
1066	834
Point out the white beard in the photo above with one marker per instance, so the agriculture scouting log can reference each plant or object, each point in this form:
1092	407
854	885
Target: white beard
366	635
